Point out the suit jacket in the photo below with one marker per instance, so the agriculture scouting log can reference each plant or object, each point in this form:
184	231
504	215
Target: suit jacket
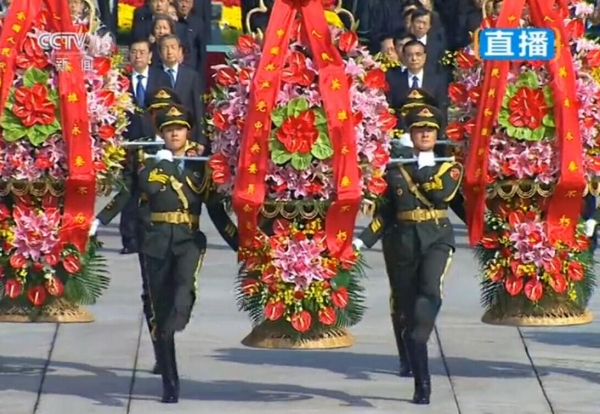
203	11
140	125
193	27
108	19
399	88
188	87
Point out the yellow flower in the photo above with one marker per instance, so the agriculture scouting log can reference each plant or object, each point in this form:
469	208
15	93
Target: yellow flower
125	17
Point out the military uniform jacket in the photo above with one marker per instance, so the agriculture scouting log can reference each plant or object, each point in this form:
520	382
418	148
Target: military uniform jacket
409	189
169	190
130	185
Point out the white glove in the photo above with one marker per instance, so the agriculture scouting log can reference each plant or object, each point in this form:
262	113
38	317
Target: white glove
357	244
426	159
164	155
406	141
94	227
590	227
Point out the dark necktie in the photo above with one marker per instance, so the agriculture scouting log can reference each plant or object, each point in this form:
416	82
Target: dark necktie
171	74
415	82
140	91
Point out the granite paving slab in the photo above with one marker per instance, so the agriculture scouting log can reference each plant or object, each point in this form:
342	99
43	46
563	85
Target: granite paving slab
477	369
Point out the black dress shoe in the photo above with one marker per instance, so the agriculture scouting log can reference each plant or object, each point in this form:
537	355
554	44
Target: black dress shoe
422	392
170	397
129	250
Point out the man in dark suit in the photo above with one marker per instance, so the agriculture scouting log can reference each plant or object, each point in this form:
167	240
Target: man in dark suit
416	75
434	39
195	30
186	82
143	81
108	14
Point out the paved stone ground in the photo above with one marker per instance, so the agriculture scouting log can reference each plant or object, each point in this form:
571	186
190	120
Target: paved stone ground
477	369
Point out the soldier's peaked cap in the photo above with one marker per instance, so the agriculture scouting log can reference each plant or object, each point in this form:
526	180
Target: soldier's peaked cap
163	97
417	97
173	115
424	116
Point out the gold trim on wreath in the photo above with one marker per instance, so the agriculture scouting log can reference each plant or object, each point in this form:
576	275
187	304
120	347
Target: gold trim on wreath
525	189
56	188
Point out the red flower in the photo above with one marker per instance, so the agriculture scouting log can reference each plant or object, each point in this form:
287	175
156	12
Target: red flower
575	271
282	227
245	44
380	157
455	131
249	286
32	106
301	321
52	258
102	65
295	70
340	297
17	261
106	131
375	79
33	55
298	134
327	316
469	126
465	60
4	212
246	76
377	185
387	121
592	58
534	290
513	285
107	97
226	76
71	263
558	283
13	288
458	93
220	169
54	287
36	295
527	108
220	121
475	94
576	28
269	275
348	41
490	241
554	266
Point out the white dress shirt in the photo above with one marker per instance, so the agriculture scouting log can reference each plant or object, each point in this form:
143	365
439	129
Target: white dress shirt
423	40
419	78
135	80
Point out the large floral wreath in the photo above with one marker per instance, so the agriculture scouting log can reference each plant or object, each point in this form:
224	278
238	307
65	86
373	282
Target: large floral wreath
289	278
516	257
35	266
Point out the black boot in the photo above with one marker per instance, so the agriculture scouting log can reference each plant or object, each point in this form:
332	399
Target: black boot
156	368
168	367
399	331
420	365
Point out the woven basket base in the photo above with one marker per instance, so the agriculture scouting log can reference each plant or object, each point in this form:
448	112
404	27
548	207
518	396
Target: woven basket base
60	311
263	338
538	321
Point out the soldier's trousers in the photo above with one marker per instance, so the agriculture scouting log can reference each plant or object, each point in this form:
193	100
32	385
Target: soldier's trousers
172	287
417	288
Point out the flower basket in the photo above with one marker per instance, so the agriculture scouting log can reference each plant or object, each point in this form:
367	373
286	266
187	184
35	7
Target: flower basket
299	289
531	173
63	116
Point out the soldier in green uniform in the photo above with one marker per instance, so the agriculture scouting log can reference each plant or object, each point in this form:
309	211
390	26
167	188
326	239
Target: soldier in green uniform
416	214
160	99
401	148
173	244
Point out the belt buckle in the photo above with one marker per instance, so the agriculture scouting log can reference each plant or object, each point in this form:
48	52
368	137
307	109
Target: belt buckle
171	217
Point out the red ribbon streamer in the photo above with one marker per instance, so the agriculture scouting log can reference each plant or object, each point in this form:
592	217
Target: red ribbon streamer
562	215
250	189
80	187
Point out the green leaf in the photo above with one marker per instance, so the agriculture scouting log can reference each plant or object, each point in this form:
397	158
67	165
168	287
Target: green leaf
538	134
33	76
12	135
548	120
278	116
280	157
511	130
528	79
503	118
342	279
321	149
40	133
301	162
53	96
296	106
548	96
321	118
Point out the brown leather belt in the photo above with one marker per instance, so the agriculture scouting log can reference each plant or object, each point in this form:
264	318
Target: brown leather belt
420	215
174	217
